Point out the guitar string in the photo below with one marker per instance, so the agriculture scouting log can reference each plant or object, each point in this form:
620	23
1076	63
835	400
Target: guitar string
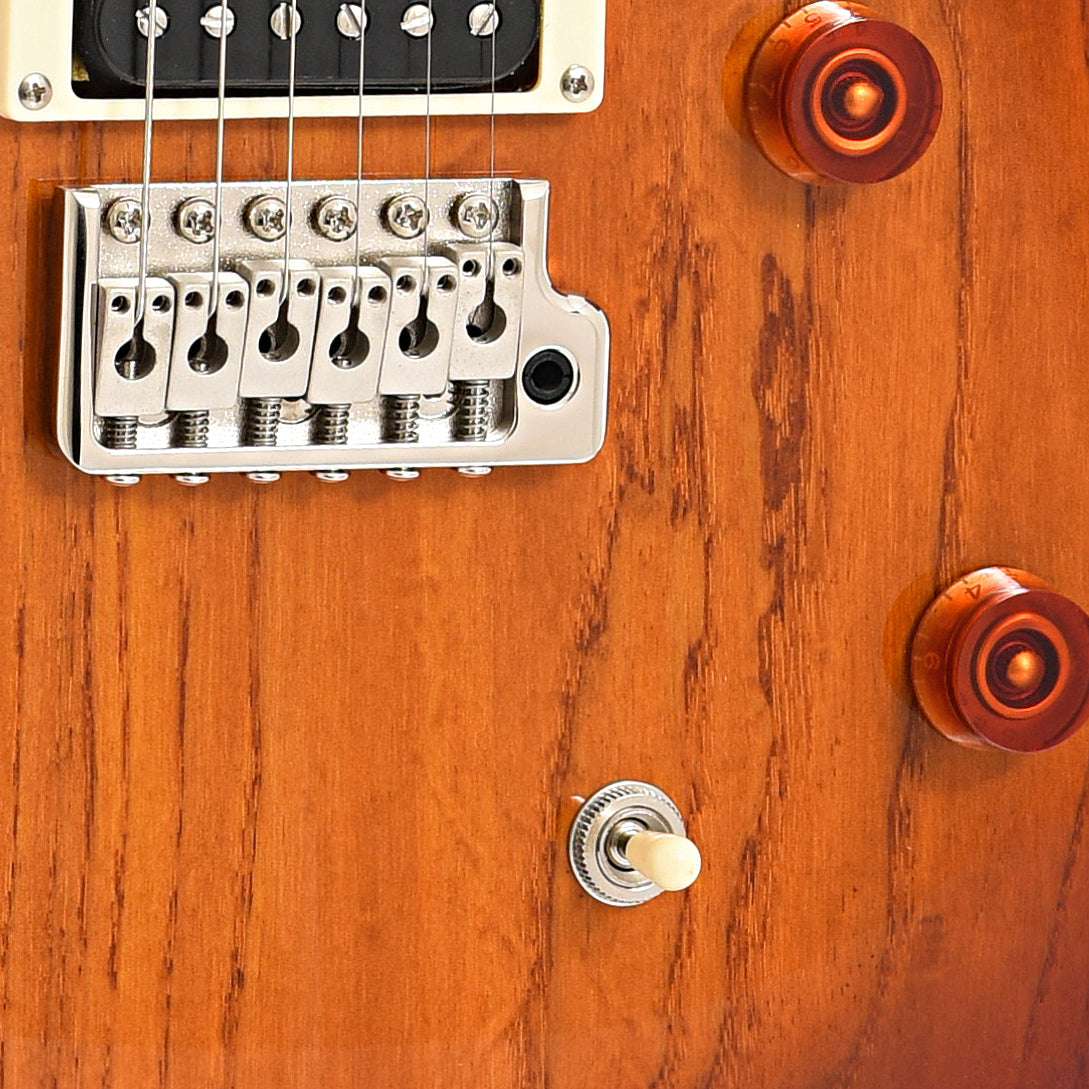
221	115
425	287
490	271
149	126
289	182
357	302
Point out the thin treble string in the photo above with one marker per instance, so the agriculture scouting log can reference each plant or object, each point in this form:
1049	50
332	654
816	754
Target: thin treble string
356	301
149	127
289	182
494	17
427	155
221	115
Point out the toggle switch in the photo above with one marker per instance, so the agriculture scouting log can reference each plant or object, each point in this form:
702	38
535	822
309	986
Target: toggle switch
628	845
835	93
1000	660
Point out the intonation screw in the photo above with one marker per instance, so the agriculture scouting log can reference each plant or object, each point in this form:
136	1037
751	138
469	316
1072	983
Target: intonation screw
417	20
192	480
262	421
577	83
124	220
402	419
212	21
332	476
35	92
406	216
403	474
285	22
266	218
119	432
331	425
476	215
475	470
191	429
352	20
162	21
336	218
483	20
196	220
474	404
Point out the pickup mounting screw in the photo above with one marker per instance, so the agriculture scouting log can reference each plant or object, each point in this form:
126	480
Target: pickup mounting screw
285	22
483	20
197	220
212	21
335	219
352	20
577	83
417	20
162	21
125	219
266	218
476	215
406	216
35	92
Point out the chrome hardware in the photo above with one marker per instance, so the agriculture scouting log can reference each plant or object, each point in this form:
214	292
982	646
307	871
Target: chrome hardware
285	21
396	360
266	218
351	21
124	218
143	21
625	823
35	92
577	83
196	221
417	20
406	216
484	20
335	218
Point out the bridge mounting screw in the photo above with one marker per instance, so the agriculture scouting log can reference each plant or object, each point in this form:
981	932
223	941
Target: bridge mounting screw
577	83
483	20
336	218
352	20
125	220
406	216
162	21
266	218
476	215
35	91
417	20
196	220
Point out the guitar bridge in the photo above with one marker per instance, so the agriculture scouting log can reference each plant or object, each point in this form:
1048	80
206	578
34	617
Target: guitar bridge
437	347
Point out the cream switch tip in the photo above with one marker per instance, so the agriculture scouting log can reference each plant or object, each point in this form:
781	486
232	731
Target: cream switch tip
671	862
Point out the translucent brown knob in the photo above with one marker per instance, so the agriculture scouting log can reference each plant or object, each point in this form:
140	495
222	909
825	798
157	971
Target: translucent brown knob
835	93
1000	660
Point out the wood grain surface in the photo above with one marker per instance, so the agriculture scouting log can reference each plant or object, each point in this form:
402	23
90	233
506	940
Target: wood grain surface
285	772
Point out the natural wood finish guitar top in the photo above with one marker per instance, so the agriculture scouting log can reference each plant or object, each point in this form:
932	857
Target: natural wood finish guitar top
285	772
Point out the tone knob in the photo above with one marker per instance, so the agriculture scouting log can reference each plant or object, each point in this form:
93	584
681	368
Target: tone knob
1000	660
628	845
836	93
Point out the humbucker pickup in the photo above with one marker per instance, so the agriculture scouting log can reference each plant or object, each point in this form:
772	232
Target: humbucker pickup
444	345
86	59
111	45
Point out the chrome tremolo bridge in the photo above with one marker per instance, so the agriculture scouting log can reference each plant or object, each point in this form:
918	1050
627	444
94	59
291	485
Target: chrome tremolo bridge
445	346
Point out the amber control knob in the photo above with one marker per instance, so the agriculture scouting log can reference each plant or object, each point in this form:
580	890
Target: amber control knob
1000	660
835	93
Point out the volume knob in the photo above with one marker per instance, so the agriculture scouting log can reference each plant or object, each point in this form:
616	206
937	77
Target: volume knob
1000	660
836	93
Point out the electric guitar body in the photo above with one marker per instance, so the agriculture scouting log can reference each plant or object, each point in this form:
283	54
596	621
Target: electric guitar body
288	770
